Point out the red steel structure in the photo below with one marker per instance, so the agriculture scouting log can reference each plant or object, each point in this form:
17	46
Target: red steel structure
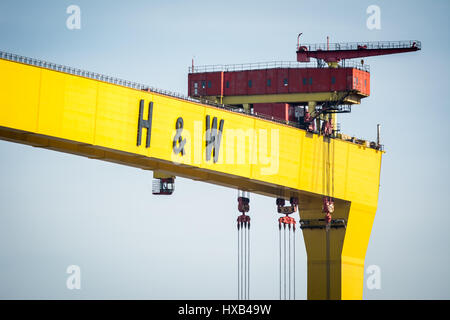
278	81
277	89
272	84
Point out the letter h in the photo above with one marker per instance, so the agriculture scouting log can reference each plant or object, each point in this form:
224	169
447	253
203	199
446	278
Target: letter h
145	123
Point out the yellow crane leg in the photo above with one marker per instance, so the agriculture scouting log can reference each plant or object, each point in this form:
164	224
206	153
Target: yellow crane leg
336	257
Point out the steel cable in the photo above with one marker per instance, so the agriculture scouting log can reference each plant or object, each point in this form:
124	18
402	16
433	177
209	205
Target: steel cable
294	259
239	266
328	262
245	260
242	264
248	263
279	234
284	262
289	260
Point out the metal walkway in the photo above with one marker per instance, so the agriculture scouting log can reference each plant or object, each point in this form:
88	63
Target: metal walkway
335	52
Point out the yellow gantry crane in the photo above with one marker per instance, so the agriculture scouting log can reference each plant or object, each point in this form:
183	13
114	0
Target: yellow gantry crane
55	107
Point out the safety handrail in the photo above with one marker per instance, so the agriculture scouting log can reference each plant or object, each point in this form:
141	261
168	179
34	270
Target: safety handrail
89	74
269	65
404	44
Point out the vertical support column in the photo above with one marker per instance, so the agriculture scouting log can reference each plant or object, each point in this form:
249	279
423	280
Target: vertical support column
354	250
222	80
336	259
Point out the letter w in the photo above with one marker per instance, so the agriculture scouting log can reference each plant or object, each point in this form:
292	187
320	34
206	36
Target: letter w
213	138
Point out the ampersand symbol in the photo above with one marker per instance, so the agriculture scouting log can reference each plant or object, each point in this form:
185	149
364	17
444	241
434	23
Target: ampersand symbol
178	141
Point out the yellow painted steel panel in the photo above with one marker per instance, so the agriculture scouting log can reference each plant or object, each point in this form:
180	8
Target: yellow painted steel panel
117	117
339	168
165	114
278	154
289	150
363	174
234	154
67	107
19	94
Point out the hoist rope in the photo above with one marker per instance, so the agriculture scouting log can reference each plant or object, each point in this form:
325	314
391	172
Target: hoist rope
284	262
294	262
239	266
243	246
289	260
245	261
332	173
248	263
242	264
279	234
328	262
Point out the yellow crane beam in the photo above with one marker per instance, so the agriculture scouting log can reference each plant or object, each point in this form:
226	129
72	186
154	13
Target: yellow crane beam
74	114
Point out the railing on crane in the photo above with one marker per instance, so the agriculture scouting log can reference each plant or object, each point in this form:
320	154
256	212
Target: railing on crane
372	45
89	74
269	65
335	52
